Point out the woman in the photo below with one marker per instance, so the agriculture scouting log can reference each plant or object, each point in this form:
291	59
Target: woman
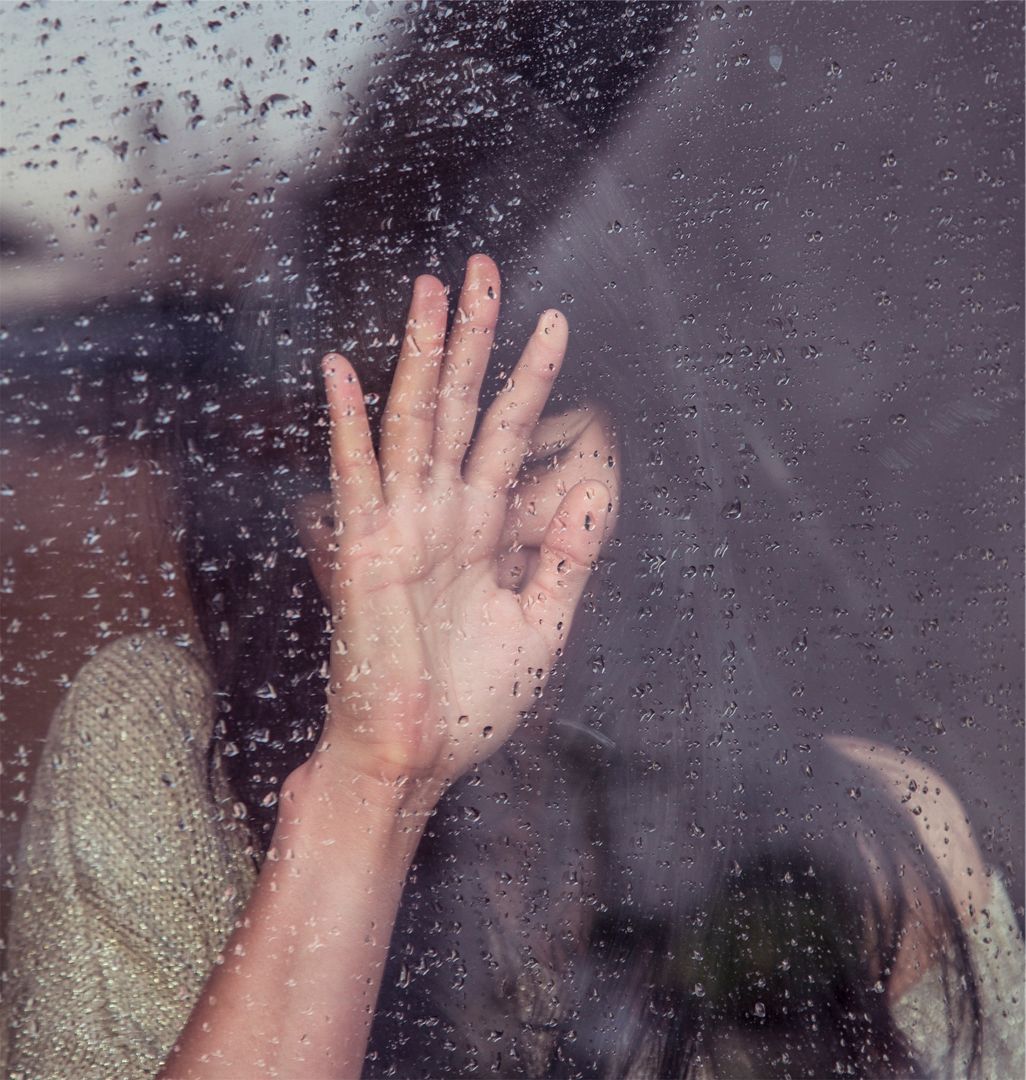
676	867
443	635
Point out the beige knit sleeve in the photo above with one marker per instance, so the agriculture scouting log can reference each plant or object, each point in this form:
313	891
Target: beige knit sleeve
998	956
129	876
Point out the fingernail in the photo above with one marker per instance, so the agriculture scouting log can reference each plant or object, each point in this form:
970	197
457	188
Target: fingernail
423	285
599	496
550	321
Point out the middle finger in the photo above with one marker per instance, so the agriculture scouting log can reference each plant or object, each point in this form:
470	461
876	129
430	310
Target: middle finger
408	425
464	368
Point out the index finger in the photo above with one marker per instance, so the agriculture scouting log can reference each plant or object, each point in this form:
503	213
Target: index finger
355	477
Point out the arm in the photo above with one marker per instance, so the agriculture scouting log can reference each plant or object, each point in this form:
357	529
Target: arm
296	991
936	817
432	662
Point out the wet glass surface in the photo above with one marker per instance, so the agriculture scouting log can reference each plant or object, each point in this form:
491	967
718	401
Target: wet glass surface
788	243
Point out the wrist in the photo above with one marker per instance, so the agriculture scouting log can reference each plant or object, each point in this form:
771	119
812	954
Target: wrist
324	801
348	764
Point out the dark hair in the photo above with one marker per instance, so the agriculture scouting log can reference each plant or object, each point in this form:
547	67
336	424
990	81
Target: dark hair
690	807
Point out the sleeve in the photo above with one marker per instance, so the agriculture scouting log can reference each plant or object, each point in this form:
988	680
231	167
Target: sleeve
129	876
998	955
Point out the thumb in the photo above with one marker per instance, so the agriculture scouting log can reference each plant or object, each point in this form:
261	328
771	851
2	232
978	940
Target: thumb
569	551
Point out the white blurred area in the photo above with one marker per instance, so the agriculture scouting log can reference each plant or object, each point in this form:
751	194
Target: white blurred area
143	142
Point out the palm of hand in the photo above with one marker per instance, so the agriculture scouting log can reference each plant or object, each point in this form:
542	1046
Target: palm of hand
432	659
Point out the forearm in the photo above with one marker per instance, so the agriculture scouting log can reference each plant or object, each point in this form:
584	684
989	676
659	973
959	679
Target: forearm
296	992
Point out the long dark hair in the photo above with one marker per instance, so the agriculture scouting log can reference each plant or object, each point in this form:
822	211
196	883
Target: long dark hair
696	854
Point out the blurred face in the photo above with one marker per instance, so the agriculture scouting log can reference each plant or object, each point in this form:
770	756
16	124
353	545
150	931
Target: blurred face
576	445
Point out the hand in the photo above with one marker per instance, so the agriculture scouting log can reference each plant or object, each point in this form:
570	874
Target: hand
432	658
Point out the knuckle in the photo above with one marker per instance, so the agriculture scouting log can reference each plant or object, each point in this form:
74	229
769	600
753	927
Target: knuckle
517	424
416	412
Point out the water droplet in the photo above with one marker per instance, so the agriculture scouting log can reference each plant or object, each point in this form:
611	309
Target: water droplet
731	509
776	57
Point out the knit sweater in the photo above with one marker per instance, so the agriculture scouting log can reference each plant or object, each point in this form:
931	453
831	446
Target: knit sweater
130	874
133	870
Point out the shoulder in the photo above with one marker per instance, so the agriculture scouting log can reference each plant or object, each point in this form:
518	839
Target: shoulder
129	876
128	747
123	799
142	669
141	691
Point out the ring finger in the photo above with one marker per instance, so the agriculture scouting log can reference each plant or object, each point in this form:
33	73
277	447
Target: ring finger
506	431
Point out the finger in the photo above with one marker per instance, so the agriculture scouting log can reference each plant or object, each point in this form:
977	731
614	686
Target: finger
408	424
463	370
876	755
507	427
568	553
565	449
355	477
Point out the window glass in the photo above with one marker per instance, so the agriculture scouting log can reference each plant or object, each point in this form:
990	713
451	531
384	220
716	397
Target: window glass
758	810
